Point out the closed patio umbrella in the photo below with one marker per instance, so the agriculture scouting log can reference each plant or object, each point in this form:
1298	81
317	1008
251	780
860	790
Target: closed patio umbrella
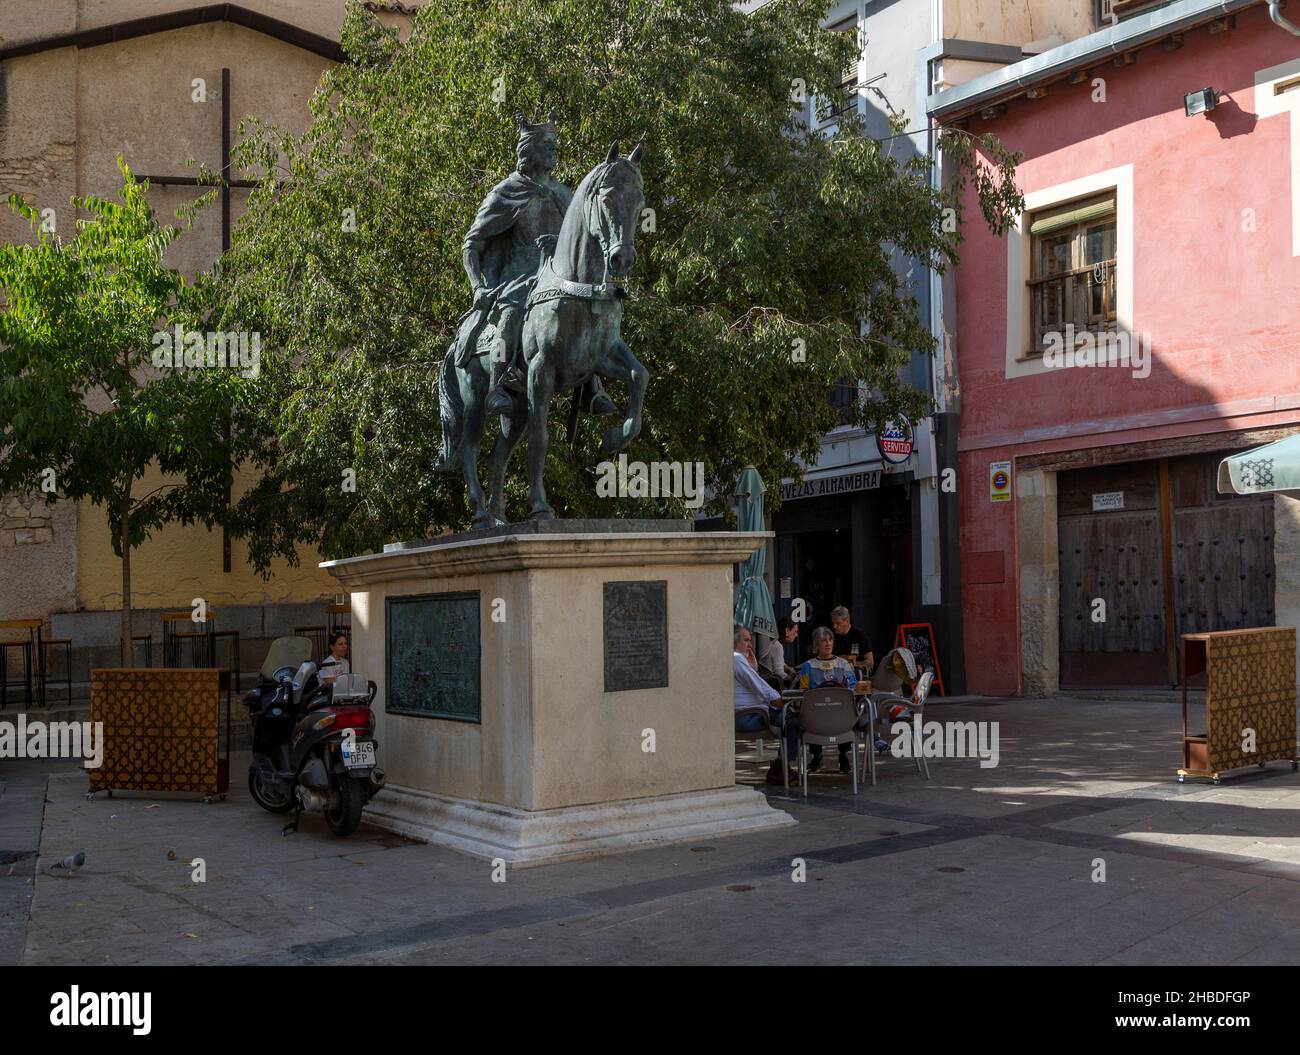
1274	467
754	604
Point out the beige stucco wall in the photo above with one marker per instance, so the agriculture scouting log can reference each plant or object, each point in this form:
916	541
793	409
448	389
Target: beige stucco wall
1017	21
183	562
128	92
38	557
65	115
22	20
38	136
1040	583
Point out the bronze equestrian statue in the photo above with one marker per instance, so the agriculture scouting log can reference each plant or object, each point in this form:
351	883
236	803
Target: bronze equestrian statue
543	264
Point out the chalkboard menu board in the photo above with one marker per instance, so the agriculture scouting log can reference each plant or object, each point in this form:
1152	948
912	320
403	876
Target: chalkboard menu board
918	638
636	635
432	656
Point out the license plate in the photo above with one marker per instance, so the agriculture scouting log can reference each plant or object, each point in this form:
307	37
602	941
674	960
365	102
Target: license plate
362	754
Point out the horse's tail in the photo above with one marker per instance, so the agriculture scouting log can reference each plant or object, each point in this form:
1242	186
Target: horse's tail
452	408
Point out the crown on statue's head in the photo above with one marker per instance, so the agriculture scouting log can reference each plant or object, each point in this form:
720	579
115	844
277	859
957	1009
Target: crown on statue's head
531	133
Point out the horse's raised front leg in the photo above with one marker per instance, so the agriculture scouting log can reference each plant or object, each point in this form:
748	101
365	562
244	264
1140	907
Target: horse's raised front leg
541	386
471	440
512	431
621	365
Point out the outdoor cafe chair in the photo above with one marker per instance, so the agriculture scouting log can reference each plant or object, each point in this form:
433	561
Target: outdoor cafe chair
896	670
772	731
883	701
828	717
867	735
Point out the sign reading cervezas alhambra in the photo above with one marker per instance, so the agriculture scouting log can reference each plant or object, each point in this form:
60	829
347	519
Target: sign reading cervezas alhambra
867	480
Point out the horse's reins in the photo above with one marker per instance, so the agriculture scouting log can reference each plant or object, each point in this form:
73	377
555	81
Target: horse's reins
585	290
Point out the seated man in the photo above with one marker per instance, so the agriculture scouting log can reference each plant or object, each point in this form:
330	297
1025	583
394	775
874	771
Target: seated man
750	694
847	635
828	669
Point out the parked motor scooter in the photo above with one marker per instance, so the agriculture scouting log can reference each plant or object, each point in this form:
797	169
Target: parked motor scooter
313	743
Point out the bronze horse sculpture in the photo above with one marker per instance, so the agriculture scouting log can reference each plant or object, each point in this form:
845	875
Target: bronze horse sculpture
571	333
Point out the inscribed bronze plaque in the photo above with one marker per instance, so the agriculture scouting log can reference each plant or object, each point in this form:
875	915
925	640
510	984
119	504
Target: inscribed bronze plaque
432	656
636	635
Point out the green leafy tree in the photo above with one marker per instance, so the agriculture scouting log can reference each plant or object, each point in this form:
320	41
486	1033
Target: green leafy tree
84	413
766	274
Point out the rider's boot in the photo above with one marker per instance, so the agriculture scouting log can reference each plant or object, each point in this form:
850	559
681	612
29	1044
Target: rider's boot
596	399
501	397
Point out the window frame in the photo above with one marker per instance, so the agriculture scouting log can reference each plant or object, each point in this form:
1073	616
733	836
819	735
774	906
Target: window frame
1078	233
1018	362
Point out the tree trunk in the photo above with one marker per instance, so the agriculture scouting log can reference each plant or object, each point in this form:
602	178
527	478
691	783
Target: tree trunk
124	538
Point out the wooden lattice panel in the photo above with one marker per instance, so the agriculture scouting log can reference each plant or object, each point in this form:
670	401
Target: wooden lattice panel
161	730
1251	685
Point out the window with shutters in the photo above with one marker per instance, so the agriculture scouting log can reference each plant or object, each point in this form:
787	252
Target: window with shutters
845	98
1073	265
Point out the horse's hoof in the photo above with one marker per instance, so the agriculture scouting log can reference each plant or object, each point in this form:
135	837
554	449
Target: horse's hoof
614	440
603	405
543	513
481	523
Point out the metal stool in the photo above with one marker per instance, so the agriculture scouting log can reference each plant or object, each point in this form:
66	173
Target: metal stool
33	680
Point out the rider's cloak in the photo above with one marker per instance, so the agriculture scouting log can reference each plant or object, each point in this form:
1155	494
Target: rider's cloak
497	216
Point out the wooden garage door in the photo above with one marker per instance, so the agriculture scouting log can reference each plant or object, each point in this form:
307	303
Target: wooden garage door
1111	556
1220	556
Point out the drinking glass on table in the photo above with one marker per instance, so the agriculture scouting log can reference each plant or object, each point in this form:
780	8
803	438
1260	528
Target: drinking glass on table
853	652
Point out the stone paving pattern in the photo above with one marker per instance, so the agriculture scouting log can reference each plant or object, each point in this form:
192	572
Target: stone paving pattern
975	866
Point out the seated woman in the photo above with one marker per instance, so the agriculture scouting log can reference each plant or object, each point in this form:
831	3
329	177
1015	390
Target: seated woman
826	668
336	662
772	662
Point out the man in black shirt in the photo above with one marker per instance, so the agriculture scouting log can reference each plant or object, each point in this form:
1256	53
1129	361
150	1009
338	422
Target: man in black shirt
847	635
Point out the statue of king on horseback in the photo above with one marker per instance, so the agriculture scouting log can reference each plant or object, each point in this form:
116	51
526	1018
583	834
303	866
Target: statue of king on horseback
540	319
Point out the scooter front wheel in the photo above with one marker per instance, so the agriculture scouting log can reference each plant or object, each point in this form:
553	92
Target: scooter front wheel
343	814
268	800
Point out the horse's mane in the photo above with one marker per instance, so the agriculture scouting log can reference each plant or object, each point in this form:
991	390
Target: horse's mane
576	227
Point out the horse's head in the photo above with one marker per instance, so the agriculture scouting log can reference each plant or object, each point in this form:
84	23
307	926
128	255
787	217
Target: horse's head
613	207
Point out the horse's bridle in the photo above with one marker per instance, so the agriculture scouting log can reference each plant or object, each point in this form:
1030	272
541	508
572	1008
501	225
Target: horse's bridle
598	228
556	287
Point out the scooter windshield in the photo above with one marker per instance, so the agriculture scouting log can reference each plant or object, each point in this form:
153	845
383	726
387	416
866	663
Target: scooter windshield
286	652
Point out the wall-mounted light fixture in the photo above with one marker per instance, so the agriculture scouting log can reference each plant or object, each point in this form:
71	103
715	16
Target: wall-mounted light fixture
1200	102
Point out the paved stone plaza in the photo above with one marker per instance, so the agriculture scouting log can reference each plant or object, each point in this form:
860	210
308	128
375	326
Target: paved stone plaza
976	866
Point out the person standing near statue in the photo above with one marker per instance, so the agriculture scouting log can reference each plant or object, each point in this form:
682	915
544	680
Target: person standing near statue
515	229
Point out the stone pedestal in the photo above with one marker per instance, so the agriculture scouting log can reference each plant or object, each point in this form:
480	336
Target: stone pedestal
562	760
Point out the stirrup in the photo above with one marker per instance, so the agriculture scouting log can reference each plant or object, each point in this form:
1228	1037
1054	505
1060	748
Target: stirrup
499	401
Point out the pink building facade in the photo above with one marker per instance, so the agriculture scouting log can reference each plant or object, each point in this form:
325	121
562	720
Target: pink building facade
1092	535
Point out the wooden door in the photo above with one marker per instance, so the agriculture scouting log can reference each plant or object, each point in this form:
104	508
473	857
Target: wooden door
1113	621
1222	552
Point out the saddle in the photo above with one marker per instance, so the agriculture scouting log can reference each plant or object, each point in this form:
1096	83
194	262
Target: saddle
474	337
